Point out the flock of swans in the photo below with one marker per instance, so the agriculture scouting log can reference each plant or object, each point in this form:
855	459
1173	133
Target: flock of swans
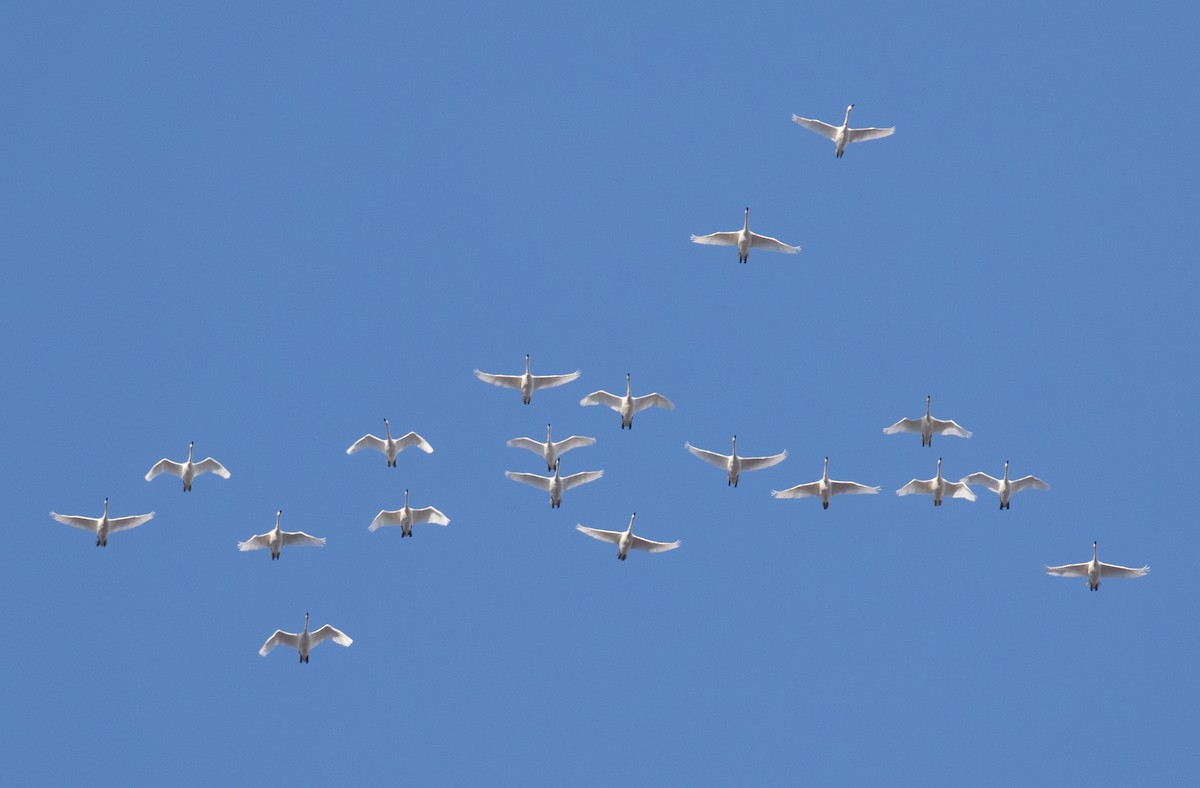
626	406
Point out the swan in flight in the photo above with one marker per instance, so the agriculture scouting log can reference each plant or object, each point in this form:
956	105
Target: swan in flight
305	641
927	426
937	487
277	539
550	450
842	135
390	446
1095	569
188	470
824	488
555	485
627	540
745	240
733	464
628	405
407	517
102	526
527	383
1003	487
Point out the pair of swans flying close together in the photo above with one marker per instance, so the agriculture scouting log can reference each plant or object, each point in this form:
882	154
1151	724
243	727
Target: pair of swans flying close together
277	539
734	464
555	485
390	446
825	488
629	405
927	426
745	240
551	450
1096	569
526	383
1005	488
103	525
188	470
842	135
305	641
626	540
407	517
938	487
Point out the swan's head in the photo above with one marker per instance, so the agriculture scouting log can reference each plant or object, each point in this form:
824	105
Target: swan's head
556	461
849	108
106	503
278	514
191	444
826	460
939	463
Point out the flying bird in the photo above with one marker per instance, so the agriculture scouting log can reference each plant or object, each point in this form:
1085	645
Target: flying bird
745	240
734	464
555	485
390	446
187	470
842	135
407	517
551	450
1095	569
102	526
277	539
526	383
824	488
938	487
927	426
628	405
1003	487
626	540
305	641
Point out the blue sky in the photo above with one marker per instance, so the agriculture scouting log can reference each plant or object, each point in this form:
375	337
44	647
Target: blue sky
265	229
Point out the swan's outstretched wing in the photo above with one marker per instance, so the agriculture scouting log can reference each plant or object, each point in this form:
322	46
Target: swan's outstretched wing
603	536
758	463
1029	483
638	543
573	442
413	439
918	487
532	479
429	515
824	129
329	633
118	524
165	466
602	398
300	539
862	135
280	638
576	479
256	542
810	490
1112	570
77	521
990	482
769	244
209	465
850	488
507	381
550	381
654	400
958	490
528	443
386	517
367	442
1069	570
717	239
904	425
719	460
947	427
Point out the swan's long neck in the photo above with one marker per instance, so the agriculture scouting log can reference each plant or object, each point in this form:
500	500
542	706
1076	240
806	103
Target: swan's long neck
734	445
278	517
746	223
628	385
306	622
928	405
191	445
548	434
1006	470
406	499
106	508
1094	558
847	122
526	363
556	469
939	470
387	429
825	473
632	517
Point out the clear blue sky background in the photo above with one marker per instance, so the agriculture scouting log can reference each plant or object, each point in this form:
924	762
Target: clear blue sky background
266	228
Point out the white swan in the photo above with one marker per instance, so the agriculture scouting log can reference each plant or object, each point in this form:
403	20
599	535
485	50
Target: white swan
188	470
305	641
1094	570
390	446
626	540
628	405
555	485
526	383
937	487
277	539
733	464
551	450
102	526
407	517
927	426
745	240
842	135
1003	487
824	488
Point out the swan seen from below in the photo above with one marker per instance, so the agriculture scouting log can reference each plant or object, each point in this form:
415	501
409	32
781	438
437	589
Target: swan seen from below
927	426
629	405
938	487
526	383
277	539
305	641
842	135
551	450
745	240
555	485
188	470
1003	487
390	446
1095	570
407	517
626	540
825	488
102	526
734	464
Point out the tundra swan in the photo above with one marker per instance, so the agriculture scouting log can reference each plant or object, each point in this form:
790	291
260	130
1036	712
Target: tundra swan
555	485
277	539
927	426
188	470
745	240
733	464
842	135
937	487
627	540
628	405
1003	487
1095	569
526	383
407	517
305	641
390	446
824	488
550	450
102	526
